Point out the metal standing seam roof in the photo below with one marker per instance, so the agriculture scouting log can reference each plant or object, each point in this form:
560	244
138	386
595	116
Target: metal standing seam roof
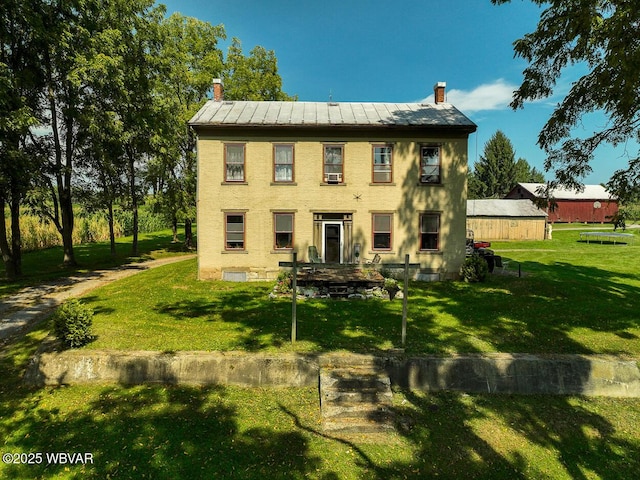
241	113
590	192
503	208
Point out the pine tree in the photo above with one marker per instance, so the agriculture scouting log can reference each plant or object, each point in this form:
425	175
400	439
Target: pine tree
495	173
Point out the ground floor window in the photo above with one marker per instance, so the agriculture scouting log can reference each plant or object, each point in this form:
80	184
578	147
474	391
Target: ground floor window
234	231
283	230
429	231
382	228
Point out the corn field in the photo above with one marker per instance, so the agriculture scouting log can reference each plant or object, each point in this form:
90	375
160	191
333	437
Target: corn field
38	234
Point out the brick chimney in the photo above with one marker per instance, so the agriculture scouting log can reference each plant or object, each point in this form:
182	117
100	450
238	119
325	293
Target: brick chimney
438	92
218	90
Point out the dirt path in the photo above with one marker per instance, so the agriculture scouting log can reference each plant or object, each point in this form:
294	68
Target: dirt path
33	304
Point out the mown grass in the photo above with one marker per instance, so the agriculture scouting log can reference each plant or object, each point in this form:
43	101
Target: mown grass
44	265
573	298
204	432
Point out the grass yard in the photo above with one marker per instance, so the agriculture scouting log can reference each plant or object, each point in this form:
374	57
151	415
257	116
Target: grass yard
45	265
189	432
573	298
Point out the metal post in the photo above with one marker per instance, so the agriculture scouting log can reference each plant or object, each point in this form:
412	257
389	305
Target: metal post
405	294
294	296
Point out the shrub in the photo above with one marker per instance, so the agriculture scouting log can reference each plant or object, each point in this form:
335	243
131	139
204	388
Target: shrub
284	282
72	323
474	269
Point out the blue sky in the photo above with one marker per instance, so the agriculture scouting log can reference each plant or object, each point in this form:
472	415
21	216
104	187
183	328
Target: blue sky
357	50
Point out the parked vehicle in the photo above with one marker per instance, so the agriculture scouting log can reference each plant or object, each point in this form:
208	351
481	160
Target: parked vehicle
481	248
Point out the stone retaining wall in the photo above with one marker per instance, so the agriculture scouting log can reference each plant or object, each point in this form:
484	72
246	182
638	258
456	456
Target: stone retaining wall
491	373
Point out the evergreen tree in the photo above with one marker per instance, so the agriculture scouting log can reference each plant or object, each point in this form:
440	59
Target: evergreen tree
495	173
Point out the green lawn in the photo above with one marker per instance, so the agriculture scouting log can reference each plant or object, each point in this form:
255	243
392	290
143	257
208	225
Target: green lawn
189	432
45	265
573	298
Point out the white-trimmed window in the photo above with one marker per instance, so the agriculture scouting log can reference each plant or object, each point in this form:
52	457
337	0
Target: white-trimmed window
382	229
382	164
283	163
430	164
283	231
234	170
333	163
429	231
234	231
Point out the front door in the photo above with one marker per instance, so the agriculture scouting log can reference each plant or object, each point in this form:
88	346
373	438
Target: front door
332	243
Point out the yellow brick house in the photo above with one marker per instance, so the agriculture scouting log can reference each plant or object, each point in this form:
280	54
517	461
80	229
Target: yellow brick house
353	180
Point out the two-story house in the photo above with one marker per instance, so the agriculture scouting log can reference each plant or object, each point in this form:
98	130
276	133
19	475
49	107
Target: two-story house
351	179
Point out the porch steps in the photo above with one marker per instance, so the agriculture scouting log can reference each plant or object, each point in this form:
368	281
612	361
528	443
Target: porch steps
355	400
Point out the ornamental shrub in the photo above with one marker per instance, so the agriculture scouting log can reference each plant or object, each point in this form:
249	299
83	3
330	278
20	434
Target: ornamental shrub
72	323
284	282
474	269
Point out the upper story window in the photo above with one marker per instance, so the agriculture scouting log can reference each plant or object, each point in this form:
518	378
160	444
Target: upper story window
382	228
234	228
283	230
429	231
333	168
234	166
430	164
382	161
283	163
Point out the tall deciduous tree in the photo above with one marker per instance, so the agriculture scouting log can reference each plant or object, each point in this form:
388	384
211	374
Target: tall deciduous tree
190	60
604	36
21	77
254	77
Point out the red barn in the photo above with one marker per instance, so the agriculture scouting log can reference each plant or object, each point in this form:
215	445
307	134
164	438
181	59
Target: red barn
593	205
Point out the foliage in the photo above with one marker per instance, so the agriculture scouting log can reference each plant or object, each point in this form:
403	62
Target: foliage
391	284
254	77
21	79
72	323
94	102
497	172
474	269
604	36
284	282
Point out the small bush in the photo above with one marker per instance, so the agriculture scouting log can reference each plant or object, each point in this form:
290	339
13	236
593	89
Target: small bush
474	269
284	282
72	324
391	284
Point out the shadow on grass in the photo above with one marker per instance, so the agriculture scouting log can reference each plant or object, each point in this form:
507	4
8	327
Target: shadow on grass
45	265
157	432
565	439
555	309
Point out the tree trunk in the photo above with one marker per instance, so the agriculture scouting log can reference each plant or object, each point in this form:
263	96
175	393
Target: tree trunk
5	249
112	234
174	228
16	239
134	205
66	213
188	233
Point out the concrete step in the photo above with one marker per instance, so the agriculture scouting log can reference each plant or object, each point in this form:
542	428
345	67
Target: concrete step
355	400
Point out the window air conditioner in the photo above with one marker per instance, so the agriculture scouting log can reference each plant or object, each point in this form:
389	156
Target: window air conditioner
333	178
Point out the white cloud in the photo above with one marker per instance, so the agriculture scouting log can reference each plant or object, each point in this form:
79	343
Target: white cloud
489	96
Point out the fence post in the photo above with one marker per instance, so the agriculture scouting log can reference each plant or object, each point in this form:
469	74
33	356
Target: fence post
405	294
294	296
